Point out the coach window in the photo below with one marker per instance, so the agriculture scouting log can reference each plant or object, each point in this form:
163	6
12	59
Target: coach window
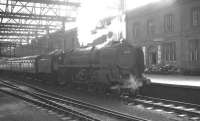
196	16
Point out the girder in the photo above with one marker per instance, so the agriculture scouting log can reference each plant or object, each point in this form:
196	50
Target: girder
26	19
36	17
19	30
28	6
6	44
19	34
25	28
13	38
7	25
55	2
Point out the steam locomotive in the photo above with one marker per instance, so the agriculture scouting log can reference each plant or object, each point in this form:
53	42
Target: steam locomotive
116	66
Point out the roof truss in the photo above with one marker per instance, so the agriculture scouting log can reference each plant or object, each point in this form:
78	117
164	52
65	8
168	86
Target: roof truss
34	18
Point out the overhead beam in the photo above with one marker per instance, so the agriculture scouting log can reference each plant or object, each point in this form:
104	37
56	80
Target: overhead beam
55	2
2	38
17	24
3	45
19	30
36	17
30	6
27	28
17	13
19	34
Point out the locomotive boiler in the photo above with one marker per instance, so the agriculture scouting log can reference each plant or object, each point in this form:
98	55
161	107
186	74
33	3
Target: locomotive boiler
114	66
117	66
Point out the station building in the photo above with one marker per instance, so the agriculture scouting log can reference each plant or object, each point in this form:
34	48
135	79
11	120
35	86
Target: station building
168	31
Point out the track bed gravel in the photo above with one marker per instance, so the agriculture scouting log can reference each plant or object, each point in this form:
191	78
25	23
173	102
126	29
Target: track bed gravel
12	109
111	102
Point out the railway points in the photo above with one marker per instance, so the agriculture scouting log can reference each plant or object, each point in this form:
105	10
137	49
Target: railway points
110	103
15	109
181	109
66	105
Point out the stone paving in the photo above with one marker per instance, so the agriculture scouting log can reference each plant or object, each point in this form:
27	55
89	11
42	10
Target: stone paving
175	79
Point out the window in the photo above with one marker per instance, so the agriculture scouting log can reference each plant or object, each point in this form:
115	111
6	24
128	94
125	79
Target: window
196	16
150	27
193	50
169	51
168	23
136	30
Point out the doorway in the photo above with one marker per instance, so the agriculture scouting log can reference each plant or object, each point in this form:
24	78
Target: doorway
153	58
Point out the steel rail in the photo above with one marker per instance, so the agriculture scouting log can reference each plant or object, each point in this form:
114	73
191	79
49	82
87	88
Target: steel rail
46	103
81	104
170	101
191	110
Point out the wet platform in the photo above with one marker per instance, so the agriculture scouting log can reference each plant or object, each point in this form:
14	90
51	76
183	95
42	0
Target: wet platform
176	80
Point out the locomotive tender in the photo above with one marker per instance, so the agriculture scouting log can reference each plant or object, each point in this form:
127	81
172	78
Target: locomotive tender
116	66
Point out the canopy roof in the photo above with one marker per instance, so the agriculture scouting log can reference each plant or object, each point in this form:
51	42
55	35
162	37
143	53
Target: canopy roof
23	20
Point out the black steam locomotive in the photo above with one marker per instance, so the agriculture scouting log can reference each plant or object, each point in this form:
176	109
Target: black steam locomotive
116	66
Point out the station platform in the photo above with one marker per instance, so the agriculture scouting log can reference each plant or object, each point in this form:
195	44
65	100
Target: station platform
176	80
174	87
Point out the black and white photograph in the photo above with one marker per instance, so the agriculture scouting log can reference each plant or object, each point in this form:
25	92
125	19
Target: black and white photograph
99	60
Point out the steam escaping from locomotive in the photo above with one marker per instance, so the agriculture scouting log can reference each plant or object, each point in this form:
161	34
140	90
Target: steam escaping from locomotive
133	83
130	85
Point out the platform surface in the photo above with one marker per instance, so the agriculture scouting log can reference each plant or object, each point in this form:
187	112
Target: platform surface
182	80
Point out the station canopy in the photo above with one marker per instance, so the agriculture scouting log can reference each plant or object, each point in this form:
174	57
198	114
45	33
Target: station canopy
23	20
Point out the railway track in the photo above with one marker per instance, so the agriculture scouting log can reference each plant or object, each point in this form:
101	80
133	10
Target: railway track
69	107
181	109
